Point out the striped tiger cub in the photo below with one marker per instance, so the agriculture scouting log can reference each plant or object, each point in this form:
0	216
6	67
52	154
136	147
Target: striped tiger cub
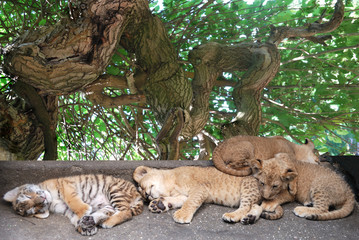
88	201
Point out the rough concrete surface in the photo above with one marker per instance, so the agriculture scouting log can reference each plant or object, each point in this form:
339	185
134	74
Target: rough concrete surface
206	224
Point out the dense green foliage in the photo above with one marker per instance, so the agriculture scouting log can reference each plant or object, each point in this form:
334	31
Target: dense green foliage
314	94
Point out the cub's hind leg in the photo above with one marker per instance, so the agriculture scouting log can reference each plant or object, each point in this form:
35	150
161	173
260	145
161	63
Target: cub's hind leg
320	205
126	202
250	196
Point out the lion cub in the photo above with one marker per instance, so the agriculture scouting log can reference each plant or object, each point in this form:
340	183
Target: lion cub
233	156
282	179
189	187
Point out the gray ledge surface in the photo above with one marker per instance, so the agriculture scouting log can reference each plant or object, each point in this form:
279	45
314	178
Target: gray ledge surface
206	224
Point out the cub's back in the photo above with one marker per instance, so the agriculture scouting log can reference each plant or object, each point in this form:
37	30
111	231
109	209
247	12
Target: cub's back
311	175
209	177
88	187
263	147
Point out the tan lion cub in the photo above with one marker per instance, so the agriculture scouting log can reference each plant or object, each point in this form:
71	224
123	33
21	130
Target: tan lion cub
189	187
317	187
233	156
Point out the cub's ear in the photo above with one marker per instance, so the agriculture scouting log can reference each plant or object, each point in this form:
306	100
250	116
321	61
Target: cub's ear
289	175
309	143
256	166
11	195
140	172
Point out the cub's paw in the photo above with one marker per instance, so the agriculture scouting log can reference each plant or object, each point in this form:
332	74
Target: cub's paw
231	217
159	205
276	214
253	215
306	212
87	226
269	206
249	219
181	216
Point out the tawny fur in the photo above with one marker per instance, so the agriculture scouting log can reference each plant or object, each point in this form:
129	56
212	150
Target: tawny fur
234	154
87	200
317	187
189	187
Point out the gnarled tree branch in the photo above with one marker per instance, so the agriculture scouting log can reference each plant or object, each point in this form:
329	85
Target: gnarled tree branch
71	54
278	34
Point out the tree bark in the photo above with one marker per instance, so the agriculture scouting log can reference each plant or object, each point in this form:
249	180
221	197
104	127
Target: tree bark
70	55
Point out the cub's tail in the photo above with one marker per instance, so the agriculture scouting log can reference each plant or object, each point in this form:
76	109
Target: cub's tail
342	212
221	165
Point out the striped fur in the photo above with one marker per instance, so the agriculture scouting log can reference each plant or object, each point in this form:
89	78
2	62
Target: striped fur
87	200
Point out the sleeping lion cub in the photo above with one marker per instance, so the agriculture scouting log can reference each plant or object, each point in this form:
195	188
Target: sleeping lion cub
189	187
233	156
318	188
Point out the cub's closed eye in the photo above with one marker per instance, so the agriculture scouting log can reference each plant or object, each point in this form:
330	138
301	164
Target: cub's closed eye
275	186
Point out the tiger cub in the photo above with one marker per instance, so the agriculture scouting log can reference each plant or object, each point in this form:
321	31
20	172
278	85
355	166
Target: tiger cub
87	200
189	187
318	188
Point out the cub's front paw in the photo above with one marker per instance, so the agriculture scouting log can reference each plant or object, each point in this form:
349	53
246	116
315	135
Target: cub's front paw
273	215
269	206
253	215
249	219
87	226
182	216
231	217
159	205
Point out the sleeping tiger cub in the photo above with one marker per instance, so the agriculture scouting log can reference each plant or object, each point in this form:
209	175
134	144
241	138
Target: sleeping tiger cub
87	200
189	187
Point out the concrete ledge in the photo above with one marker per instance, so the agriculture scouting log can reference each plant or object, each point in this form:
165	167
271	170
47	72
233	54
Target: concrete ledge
207	223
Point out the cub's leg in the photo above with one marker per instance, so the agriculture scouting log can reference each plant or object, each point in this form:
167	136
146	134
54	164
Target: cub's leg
87	225
273	215
272	209
250	195
164	204
72	199
195	199
320	205
253	215
124	205
118	217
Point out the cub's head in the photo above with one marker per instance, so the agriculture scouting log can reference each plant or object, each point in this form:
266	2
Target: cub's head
274	174
152	182
29	200
307	152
